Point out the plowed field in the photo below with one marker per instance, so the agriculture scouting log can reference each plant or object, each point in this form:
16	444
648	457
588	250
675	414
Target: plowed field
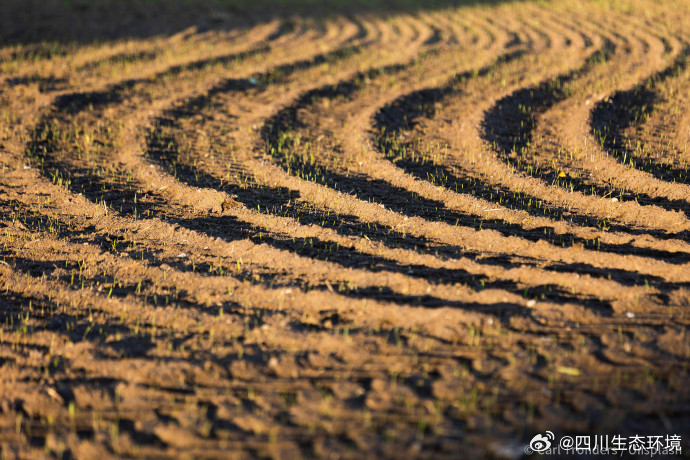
347	232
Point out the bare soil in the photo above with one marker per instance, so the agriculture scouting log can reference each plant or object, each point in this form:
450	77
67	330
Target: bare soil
351	231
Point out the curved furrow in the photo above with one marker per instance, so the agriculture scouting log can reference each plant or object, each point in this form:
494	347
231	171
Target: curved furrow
34	57
308	97
660	142
75	105
167	151
141	64
403	115
222	55
123	94
333	31
629	111
340	198
284	120
550	91
209	173
452	29
263	79
652	252
81	274
412	28
167	159
56	180
309	68
291	29
424	101
135	205
156	237
270	86
557	146
105	61
520	106
362	26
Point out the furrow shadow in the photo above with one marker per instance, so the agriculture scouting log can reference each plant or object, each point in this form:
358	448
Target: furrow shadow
624	109
510	124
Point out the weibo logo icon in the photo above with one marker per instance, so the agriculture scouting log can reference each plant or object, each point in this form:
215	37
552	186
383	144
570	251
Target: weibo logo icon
540	443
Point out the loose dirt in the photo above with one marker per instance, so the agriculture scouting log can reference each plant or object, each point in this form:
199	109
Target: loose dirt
360	233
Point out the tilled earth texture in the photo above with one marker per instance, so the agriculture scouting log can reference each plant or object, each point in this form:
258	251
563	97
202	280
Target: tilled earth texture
341	230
